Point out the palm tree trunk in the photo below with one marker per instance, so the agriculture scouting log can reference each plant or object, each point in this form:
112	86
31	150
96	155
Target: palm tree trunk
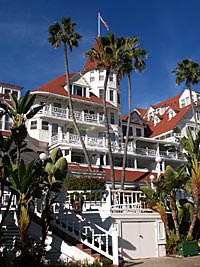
163	216
174	212
72	112
112	174
194	219
193	108
127	133
46	218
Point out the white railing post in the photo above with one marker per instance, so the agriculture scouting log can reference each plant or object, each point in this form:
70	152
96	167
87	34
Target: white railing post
67	113
115	246
98	118
83	115
50	109
67	137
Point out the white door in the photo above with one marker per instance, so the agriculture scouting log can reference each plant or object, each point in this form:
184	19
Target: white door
138	240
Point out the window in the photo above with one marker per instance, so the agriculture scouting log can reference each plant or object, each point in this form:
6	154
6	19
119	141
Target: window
119	124
92	77
54	129
101	93
187	100
33	125
82	132
7	92
124	128
112	137
192	129
118	98
45	125
101	135
111	77
15	93
111	95
78	90
84	91
70	130
101	76
112	118
183	103
57	105
7	122
198	115
138	132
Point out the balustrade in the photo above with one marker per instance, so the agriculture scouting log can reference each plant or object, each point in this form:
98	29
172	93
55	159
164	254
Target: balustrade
79	115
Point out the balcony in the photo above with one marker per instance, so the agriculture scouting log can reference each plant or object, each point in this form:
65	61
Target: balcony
94	142
80	116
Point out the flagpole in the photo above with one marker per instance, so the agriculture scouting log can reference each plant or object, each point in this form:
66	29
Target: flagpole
98	24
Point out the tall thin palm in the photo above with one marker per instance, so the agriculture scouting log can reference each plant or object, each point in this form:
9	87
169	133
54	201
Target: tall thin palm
133	60
64	34
188	71
107	57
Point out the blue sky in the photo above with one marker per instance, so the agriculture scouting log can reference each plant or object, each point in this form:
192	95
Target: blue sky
168	30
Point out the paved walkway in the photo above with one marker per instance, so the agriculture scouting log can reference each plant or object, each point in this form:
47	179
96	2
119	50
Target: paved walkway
165	262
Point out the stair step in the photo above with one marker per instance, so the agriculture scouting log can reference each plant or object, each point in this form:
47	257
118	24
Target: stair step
88	251
96	255
80	246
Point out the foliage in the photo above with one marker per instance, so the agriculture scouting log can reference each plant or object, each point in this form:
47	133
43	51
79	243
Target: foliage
19	111
84	183
65	34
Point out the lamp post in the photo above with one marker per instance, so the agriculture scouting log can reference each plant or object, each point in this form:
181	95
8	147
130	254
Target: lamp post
158	160
151	179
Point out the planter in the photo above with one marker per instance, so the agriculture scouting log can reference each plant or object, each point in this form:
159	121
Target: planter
188	248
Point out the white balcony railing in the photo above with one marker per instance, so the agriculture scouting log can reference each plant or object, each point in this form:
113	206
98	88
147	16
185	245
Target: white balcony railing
68	138
80	116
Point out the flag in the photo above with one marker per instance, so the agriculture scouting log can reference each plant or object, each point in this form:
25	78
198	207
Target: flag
104	23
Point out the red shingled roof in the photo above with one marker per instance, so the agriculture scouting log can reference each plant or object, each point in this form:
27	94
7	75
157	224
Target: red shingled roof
165	124
56	86
11	86
6	133
130	176
90	65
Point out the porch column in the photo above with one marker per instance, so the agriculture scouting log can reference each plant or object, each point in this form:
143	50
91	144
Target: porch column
60	134
115	245
50	109
135	163
50	133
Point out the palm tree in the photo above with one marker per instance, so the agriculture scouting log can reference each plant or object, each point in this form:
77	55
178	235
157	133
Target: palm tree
132	61
65	34
23	184
188	71
19	111
107	57
54	171
192	154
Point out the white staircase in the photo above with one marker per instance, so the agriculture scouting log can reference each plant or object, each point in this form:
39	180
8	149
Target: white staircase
88	234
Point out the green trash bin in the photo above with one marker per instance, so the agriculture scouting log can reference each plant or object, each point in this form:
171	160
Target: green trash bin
188	248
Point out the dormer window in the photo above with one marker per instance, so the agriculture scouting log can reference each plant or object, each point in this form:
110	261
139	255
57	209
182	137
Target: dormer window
111	77
156	121
101	93
183	103
111	95
101	76
92	77
7	92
